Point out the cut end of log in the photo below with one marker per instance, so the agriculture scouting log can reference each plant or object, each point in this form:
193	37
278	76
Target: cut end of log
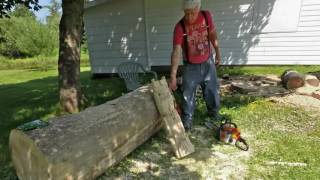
312	80
37	165
292	79
294	83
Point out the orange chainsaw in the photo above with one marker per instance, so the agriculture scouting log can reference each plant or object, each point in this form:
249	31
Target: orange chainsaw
229	133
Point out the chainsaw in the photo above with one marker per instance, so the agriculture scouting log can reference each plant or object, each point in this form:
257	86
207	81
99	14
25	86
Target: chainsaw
229	133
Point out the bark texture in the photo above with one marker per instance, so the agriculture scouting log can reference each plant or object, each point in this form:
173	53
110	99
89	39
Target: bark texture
70	29
84	145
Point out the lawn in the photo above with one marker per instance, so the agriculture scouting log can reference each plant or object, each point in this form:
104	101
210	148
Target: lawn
27	95
275	133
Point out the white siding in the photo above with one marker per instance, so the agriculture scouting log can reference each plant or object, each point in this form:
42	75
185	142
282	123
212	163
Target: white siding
240	45
162	15
116	33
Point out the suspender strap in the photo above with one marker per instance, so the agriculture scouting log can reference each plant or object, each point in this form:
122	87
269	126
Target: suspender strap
207	26
185	36
185	40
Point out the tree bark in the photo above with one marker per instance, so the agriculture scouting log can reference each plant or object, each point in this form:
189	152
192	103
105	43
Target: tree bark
69	55
84	145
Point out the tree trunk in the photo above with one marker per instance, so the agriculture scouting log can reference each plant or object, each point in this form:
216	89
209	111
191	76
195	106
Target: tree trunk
84	145
69	55
292	79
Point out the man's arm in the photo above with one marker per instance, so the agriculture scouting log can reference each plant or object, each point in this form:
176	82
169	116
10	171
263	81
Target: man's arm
214	40
175	59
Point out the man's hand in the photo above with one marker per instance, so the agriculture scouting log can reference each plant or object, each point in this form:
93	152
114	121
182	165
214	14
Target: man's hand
217	60
173	83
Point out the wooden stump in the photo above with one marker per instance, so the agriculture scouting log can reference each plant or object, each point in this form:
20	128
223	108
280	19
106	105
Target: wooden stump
292	79
317	74
312	80
172	122
84	145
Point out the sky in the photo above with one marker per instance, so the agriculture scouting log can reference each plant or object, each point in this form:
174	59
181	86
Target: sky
42	13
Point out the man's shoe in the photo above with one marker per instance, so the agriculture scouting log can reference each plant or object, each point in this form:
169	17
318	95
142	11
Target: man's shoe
187	126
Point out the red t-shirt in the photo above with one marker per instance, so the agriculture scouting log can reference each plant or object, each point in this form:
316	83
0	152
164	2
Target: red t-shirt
198	44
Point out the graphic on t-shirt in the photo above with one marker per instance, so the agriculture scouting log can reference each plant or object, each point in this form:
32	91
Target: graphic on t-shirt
198	40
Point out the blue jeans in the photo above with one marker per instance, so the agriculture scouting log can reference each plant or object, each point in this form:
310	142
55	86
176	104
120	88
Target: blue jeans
205	75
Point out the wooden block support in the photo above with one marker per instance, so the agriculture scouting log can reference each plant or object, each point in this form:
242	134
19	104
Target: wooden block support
176	134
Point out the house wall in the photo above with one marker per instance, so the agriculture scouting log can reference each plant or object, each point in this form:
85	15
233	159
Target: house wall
161	19
116	33
243	40
244	34
253	32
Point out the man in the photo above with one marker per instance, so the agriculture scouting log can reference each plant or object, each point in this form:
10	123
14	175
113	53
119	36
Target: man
193	37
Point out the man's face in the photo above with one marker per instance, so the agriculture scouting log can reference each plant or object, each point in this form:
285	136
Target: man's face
191	15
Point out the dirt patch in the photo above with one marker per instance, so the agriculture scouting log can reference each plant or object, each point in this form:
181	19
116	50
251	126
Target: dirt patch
307	97
261	86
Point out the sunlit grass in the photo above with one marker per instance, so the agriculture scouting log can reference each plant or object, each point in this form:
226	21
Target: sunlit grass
26	95
274	132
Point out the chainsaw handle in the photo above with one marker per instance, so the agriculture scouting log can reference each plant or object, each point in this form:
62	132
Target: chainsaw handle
238	144
229	123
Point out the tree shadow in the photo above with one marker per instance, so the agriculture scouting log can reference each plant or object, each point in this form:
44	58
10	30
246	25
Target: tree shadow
239	26
152	160
235	46
38	99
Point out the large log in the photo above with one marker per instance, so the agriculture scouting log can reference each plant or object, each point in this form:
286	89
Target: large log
292	79
84	145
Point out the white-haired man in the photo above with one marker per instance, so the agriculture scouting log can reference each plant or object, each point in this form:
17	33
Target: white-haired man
193	36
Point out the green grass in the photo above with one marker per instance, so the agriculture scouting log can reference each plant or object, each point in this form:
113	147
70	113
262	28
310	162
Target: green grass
263	70
274	132
39	63
26	95
283	134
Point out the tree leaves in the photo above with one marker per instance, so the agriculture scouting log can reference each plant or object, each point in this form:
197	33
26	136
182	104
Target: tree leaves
7	5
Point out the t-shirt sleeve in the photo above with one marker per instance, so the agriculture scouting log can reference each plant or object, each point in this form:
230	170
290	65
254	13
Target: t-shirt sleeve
212	26
178	35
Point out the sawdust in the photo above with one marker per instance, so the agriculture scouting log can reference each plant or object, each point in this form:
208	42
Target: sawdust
211	160
296	100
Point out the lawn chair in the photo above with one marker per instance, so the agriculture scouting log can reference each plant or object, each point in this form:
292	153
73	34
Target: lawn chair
129	72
